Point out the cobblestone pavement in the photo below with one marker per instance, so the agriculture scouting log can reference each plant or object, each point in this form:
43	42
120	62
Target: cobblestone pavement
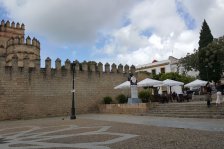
63	133
191	123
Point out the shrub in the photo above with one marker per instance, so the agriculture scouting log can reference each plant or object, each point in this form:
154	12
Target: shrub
107	100
121	98
144	96
155	98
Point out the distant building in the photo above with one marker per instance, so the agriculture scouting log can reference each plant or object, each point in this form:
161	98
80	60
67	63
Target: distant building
165	66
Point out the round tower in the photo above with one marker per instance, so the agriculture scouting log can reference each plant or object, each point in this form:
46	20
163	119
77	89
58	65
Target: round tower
28	48
12	42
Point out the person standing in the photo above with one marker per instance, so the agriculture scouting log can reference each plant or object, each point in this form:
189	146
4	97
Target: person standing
218	99
208	88
219	94
208	99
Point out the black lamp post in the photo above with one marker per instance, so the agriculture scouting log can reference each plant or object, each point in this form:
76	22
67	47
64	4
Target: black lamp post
73	116
206	71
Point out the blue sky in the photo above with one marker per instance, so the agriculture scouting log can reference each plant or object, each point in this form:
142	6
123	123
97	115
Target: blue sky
128	32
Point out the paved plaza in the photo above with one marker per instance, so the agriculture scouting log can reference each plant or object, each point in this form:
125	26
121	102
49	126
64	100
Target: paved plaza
104	131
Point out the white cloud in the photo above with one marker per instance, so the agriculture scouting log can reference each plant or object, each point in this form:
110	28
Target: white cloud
124	40
212	11
160	16
161	49
156	42
68	21
136	57
170	35
79	22
165	40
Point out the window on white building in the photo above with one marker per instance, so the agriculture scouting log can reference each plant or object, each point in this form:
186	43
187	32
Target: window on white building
153	71
162	70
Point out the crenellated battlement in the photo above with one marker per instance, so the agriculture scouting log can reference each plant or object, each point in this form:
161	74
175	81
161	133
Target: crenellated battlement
7	25
90	66
9	30
20	41
85	67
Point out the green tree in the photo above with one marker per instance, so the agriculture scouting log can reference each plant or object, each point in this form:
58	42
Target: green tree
194	61
156	76
213	60
203	55
205	36
174	76
190	61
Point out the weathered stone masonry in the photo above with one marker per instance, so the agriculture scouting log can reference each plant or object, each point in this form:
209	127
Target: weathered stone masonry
28	91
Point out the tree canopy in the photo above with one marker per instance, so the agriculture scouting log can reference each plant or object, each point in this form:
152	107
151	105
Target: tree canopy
204	54
194	61
190	61
213	60
205	36
208	59
173	76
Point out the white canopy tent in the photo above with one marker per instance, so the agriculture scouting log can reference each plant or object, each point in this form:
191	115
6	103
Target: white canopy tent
149	82
196	83
172	84
124	85
169	82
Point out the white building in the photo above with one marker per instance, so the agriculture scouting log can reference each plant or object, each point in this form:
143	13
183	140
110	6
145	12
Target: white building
165	66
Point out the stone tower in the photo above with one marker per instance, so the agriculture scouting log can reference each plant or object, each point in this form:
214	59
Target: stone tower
12	43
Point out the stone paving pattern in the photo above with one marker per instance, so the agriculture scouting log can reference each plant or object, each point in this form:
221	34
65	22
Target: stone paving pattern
56	133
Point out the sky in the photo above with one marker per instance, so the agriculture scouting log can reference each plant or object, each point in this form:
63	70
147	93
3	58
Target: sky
132	32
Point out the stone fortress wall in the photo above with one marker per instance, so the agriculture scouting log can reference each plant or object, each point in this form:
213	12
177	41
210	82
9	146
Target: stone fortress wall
28	91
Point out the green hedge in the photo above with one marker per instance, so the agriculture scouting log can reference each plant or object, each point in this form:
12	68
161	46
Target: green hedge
107	100
144	96
122	98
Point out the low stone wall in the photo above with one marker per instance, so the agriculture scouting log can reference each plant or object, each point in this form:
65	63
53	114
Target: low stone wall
198	97
203	97
124	108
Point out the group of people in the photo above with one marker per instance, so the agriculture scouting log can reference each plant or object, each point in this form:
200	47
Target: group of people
180	97
165	98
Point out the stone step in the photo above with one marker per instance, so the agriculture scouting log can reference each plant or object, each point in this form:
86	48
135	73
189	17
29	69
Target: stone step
191	105
184	111
189	109
184	103
187	116
187	106
195	106
187	113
